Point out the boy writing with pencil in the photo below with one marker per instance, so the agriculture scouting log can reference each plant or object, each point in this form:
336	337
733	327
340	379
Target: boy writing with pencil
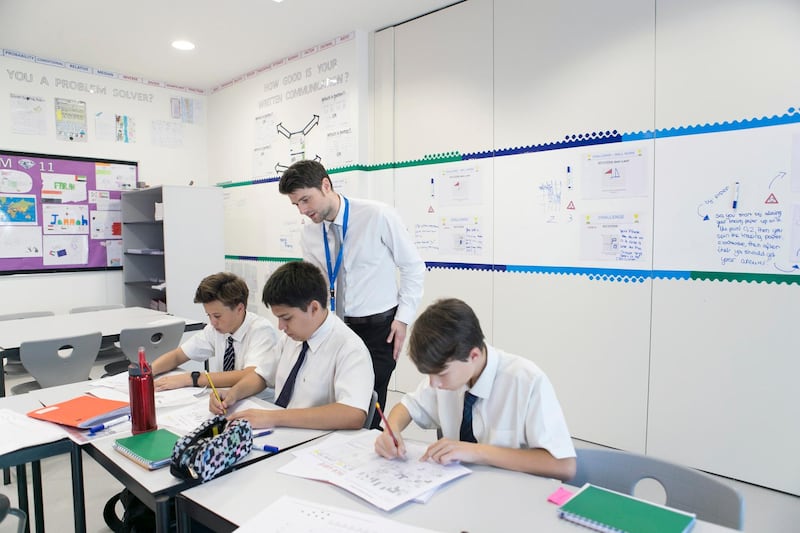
233	342
492	407
324	373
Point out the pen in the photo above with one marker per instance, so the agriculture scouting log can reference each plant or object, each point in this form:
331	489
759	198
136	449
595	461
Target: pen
106	425
263	434
736	195
386	423
216	394
271	449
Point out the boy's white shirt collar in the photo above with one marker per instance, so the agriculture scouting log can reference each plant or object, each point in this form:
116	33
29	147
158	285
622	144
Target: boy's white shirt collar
322	332
483	385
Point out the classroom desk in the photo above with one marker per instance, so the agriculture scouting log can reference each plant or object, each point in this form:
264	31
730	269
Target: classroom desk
158	488
109	321
24	403
488	500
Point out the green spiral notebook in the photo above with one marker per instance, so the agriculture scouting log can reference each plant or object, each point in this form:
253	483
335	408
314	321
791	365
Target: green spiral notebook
613	512
151	450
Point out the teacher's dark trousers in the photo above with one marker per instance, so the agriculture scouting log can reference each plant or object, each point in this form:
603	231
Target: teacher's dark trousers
374	330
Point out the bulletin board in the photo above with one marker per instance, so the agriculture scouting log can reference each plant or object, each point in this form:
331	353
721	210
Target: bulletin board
61	213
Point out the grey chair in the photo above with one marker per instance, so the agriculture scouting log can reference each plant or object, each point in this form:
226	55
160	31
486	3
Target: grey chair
157	340
108	349
6	510
371	411
686	489
58	361
13	364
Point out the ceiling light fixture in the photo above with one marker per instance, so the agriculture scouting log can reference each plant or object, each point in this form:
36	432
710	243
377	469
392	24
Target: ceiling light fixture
182	45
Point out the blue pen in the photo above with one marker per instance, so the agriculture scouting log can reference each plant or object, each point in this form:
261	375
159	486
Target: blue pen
263	434
271	449
106	425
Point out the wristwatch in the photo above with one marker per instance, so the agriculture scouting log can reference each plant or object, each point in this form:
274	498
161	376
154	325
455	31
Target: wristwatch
195	377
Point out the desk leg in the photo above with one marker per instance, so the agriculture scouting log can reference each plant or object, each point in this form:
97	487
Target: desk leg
78	499
22	492
184	522
38	499
162	515
6	471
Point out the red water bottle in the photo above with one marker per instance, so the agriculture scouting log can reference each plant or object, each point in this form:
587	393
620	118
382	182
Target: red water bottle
142	395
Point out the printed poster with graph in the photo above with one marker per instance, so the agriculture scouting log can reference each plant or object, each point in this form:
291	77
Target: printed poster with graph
59	213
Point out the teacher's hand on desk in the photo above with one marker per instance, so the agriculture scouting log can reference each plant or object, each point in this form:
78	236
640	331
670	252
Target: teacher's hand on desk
173	381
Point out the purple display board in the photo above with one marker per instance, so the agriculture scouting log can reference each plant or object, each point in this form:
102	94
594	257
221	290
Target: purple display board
60	213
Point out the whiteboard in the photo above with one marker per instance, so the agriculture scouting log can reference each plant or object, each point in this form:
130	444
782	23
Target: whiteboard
729	201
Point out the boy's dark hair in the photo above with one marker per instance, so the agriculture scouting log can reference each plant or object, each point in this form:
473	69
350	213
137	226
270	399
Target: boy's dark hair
227	288
303	174
446	331
295	284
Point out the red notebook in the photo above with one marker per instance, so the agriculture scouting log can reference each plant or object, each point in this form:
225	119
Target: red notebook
82	412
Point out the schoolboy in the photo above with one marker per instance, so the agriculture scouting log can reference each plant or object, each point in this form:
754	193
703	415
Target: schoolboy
517	422
332	384
234	342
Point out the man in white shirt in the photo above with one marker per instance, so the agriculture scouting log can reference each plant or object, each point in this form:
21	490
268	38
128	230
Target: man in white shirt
360	245
492	407
324	375
234	342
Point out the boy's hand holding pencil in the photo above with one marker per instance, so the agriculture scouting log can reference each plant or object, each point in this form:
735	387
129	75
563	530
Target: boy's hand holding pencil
389	444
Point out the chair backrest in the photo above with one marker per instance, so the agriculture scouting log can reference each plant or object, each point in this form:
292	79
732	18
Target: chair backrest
90	308
157	339
61	360
371	411
6	509
26	314
686	489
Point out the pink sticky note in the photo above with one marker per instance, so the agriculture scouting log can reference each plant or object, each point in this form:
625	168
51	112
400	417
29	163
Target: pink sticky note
560	496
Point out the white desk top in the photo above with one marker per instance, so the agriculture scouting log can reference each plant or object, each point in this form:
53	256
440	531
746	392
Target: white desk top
489	499
108	321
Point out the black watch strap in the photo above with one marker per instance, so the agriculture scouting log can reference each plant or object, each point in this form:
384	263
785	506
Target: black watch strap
195	377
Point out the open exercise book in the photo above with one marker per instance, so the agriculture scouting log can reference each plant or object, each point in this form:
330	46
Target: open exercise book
385	483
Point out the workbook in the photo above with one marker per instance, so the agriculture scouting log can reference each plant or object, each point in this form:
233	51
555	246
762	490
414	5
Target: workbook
151	450
613	512
82	412
352	464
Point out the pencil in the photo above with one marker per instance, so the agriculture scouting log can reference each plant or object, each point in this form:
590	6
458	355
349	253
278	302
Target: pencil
214	389
386	423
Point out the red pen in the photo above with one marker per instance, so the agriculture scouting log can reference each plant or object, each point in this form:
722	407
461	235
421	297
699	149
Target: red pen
386	423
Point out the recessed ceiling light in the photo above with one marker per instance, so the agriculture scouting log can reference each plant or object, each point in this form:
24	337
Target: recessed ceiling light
183	45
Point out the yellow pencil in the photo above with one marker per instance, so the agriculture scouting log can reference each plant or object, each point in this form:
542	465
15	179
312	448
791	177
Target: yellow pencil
214	389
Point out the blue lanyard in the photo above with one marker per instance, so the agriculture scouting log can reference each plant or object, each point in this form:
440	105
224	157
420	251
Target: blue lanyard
333	271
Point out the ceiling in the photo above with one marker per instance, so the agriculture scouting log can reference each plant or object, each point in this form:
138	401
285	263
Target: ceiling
232	37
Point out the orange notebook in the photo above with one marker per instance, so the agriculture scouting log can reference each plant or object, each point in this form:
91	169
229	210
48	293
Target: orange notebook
82	412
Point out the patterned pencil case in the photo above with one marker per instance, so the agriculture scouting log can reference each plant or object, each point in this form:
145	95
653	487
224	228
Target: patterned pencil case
211	449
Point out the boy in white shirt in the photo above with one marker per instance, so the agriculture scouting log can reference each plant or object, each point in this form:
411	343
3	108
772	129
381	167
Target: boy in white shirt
492	407
332	383
234	342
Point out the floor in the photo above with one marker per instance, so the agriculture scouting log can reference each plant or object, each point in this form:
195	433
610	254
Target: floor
765	510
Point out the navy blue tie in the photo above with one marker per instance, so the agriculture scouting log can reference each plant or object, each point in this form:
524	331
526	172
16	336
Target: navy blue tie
288	387
229	361
466	434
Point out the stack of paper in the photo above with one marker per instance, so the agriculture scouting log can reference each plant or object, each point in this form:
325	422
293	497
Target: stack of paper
294	514
353	465
21	431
